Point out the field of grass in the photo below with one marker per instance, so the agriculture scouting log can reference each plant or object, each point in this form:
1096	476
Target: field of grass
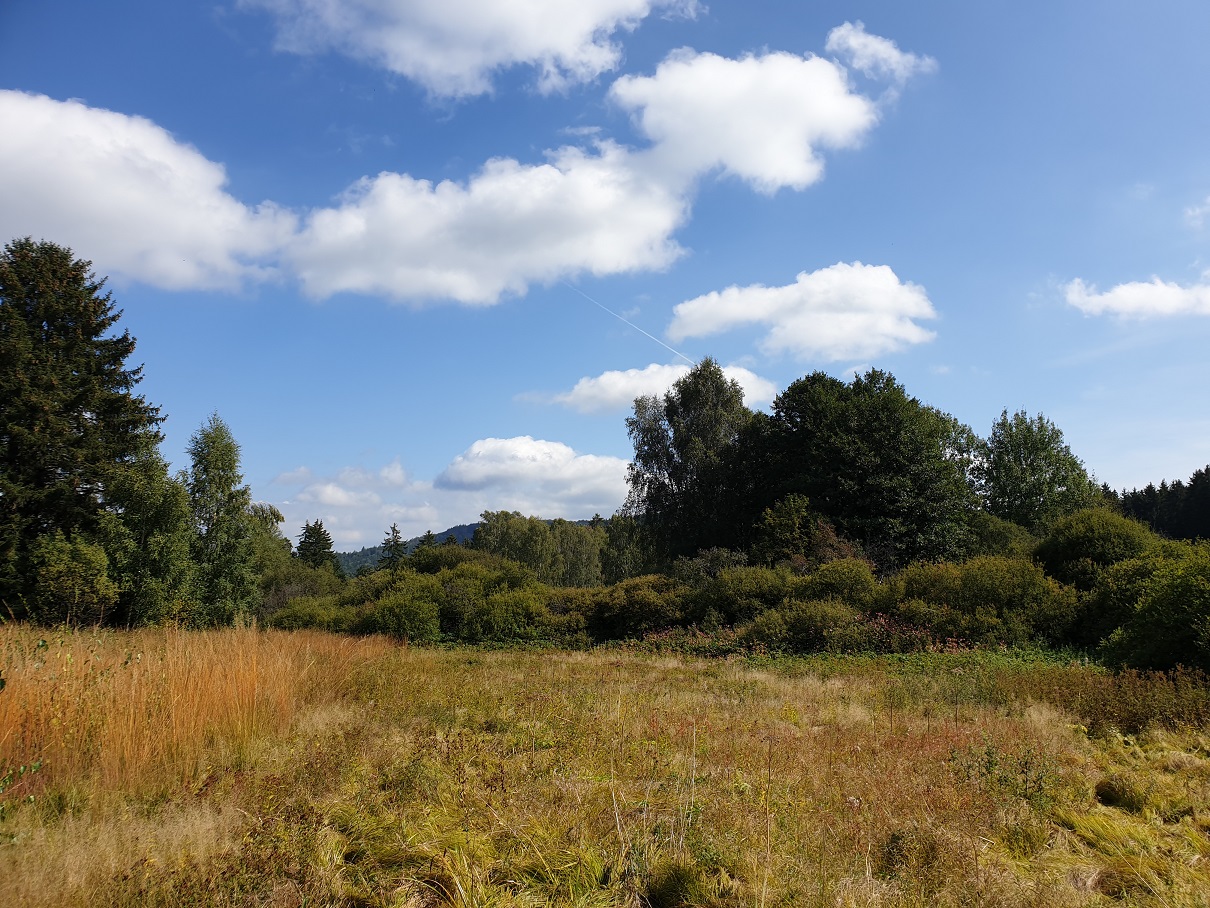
240	767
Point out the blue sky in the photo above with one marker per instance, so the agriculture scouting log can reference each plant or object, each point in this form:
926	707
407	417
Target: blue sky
379	237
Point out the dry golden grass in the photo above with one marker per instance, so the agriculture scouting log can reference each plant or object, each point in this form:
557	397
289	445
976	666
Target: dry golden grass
305	769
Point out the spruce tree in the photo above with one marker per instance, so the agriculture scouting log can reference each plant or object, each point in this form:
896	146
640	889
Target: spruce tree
394	550
69	418
315	548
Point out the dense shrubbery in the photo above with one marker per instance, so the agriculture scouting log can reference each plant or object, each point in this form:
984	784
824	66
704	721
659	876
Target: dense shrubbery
1148	606
1080	546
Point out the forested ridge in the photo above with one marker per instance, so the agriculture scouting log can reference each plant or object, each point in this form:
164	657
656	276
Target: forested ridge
850	517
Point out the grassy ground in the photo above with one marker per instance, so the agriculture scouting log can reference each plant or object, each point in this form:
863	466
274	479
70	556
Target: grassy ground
246	768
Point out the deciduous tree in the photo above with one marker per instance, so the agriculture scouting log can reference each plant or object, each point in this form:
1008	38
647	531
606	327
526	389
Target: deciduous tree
222	549
881	466
686	449
1028	474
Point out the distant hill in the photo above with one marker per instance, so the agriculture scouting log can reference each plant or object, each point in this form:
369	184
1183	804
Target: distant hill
352	562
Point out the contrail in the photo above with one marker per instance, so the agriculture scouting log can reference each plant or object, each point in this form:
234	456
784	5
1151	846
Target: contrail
630	323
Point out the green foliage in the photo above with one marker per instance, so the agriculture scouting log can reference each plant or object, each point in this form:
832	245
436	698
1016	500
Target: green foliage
558	552
686	448
986	600
71	581
636	607
1170	623
70	422
817	625
737	594
147	533
1079	546
407	612
1028	474
222	547
394	550
877	463
1178	510
315	548
987	534
850	580
791	533
319	612
626	551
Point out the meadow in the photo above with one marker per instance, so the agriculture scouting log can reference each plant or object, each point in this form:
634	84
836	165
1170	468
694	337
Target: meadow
251	767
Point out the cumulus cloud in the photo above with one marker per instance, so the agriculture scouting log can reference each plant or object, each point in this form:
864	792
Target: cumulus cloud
761	118
1138	299
875	56
545	478
845	311
452	47
545	467
509	225
617	389
123	192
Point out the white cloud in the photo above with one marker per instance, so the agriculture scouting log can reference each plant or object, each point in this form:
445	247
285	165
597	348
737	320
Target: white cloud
845	311
616	390
331	495
509	225
1195	215
545	478
760	118
1139	299
452	47
876	57
122	192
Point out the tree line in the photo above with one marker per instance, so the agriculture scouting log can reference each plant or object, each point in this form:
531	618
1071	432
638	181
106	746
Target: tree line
850	515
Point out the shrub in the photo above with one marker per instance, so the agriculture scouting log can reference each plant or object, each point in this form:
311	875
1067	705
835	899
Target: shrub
319	612
636	607
1080	546
737	594
936	583
817	626
1170	624
1113	599
1030	605
72	582
986	600
988	534
850	580
406	613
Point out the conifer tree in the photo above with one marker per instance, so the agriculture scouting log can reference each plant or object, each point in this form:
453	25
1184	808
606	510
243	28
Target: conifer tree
315	547
394	550
69	417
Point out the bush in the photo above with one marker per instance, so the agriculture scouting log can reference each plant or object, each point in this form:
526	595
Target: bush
407	613
1080	546
636	607
850	580
807	627
1170	624
736	595
986	600
988	534
320	612
72	584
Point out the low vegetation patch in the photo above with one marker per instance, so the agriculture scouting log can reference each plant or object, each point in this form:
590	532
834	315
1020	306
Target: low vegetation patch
244	767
